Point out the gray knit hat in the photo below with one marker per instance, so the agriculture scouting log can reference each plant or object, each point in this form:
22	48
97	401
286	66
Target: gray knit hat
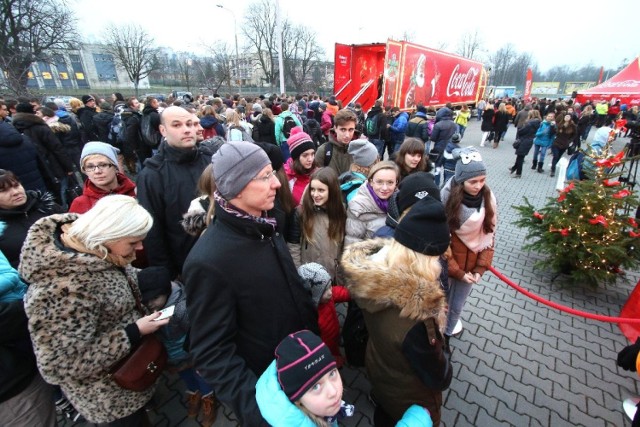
317	278
364	152
235	164
469	165
97	147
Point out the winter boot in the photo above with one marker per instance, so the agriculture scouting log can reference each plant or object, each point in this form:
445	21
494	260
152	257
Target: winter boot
193	403
540	168
209	410
553	173
535	165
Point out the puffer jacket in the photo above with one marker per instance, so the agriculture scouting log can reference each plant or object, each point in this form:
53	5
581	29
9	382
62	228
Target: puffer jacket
102	125
404	368
78	307
545	134
364	217
275	406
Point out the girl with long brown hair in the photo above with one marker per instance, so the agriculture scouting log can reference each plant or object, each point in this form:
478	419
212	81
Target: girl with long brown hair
319	222
411	157
470	208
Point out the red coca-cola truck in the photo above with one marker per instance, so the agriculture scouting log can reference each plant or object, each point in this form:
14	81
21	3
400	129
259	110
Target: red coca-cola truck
404	74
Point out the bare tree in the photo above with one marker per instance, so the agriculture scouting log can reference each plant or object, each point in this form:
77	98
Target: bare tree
217	68
259	31
301	53
132	48
31	31
470	45
502	61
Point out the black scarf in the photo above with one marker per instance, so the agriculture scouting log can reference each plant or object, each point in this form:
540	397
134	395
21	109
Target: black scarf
472	201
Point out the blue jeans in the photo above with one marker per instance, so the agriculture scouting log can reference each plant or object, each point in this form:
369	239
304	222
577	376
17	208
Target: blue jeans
461	130
480	111
194	381
543	152
379	143
457	296
557	155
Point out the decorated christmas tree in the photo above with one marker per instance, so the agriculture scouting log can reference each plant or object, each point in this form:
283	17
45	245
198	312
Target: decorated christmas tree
585	232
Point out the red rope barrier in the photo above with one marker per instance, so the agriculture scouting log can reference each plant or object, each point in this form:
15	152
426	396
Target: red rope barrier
561	307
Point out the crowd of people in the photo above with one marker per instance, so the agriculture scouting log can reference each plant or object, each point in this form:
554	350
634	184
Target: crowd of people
253	218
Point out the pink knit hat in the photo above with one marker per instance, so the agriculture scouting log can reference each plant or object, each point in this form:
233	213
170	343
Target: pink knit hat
299	142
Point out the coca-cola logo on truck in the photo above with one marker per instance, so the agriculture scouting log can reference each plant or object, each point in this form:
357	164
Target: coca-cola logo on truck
463	84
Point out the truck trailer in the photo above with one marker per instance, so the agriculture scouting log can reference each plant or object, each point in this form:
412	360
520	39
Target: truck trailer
405	74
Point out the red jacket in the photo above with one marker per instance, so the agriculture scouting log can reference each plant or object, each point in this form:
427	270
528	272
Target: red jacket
91	194
328	319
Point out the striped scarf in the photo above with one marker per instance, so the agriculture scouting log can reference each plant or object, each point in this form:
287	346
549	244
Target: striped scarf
239	213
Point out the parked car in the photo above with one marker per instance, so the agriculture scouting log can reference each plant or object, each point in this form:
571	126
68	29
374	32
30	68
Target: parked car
55	98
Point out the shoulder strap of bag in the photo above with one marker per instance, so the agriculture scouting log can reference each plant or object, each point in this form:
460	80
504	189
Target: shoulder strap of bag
135	294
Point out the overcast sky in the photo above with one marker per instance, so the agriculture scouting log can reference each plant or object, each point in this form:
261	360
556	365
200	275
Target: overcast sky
572	33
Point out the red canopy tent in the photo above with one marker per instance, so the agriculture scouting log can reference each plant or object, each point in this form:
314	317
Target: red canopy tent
624	86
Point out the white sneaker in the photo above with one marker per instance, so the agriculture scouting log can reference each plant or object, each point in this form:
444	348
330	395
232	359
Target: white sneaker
458	328
629	406
482	144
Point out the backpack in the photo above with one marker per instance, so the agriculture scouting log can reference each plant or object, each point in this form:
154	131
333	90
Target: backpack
349	184
150	136
288	124
574	168
116	129
371	126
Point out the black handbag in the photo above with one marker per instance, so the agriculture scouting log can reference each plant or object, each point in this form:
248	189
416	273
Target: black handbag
516	143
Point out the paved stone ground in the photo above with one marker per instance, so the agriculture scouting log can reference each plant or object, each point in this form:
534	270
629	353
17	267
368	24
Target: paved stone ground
517	362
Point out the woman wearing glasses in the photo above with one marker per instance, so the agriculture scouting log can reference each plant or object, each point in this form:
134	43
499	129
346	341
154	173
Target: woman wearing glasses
99	161
367	210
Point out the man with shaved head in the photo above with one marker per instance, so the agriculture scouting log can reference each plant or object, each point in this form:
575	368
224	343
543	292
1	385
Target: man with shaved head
167	185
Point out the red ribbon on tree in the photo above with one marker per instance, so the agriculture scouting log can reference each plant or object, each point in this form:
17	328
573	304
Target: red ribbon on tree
538	215
609	183
599	220
633	222
622	194
633	234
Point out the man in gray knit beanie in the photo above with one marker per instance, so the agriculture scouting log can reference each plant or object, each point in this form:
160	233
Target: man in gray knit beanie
235	165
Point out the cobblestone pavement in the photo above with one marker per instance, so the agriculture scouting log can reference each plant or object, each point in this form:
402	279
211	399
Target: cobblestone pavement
517	362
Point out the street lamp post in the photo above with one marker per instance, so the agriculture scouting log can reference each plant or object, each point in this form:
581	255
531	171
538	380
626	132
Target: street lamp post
235	31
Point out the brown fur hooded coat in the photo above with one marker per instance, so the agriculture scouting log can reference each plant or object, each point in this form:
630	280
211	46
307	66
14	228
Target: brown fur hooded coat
78	306
403	367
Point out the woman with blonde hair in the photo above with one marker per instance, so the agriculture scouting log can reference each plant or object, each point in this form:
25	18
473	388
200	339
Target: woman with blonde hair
81	305
237	129
396	282
367	210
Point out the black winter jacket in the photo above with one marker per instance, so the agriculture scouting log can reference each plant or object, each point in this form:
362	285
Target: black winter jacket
17	361
442	132
102	125
166	187
85	115
20	219
526	135
48	145
243	297
266	130
19	155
